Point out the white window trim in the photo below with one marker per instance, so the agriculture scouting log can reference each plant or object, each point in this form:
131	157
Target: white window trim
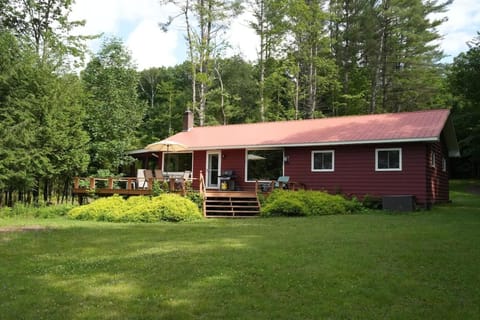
323	170
389	169
444	165
253	149
432	159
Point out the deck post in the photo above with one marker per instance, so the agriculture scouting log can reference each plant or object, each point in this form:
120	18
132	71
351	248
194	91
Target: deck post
76	182
92	183
110	183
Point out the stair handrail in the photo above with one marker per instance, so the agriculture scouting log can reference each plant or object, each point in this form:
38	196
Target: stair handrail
202	189
202	186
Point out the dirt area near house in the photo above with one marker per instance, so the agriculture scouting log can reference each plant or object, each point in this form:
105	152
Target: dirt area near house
22	229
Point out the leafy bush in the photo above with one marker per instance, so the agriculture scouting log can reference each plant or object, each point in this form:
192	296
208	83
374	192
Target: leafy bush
50	211
307	203
175	208
372	202
285	206
166	207
6	212
196	197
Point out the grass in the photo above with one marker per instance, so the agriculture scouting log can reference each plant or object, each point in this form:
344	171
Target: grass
421	265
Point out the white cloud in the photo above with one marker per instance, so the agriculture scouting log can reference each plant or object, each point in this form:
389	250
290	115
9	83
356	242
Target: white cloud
152	47
243	39
462	24
136	23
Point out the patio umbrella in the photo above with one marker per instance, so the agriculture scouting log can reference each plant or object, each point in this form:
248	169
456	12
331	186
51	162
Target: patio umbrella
252	156
166	146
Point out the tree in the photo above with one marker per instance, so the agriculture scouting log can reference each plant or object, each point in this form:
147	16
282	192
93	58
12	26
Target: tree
166	91
270	25
114	111
42	141
463	81
45	25
205	22
386	55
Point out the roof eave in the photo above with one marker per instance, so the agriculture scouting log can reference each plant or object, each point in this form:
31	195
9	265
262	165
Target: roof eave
318	144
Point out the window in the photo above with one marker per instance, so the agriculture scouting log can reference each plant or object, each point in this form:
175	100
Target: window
323	161
432	159
444	165
264	164
388	159
177	162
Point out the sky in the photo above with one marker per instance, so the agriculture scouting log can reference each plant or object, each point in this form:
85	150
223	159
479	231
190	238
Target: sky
136	23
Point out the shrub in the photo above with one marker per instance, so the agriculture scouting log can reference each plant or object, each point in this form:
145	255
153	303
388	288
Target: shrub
52	211
196	197
6	212
103	209
167	207
372	202
306	203
285	206
176	208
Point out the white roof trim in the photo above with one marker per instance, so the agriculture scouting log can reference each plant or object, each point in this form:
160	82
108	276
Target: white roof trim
320	144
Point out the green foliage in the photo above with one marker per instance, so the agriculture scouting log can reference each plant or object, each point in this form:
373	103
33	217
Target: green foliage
285	206
166	207
114	111
23	210
307	203
6	212
41	122
176	208
196	197
372	202
159	187
464	84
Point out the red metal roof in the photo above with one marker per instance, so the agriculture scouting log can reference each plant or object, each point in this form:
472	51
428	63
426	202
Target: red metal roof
391	127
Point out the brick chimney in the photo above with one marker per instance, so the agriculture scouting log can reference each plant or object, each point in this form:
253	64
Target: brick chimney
187	120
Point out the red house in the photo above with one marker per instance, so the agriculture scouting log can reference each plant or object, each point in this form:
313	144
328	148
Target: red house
377	155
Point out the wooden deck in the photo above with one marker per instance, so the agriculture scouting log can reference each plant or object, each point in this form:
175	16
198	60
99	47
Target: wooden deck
216	204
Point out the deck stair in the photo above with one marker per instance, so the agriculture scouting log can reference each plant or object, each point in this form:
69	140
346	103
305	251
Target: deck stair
231	204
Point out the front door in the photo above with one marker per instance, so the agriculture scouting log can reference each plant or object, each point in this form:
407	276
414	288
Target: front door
213	169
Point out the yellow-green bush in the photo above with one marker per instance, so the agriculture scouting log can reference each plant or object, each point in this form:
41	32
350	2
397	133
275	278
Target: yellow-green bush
166	207
175	208
307	203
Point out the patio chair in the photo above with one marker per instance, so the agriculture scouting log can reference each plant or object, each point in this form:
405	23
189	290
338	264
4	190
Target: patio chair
148	177
140	178
143	176
159	175
180	183
282	182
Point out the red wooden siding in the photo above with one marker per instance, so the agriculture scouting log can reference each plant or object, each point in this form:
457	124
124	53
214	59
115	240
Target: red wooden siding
437	178
355	171
199	163
231	159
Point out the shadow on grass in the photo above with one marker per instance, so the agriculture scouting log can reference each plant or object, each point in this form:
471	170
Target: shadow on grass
111	272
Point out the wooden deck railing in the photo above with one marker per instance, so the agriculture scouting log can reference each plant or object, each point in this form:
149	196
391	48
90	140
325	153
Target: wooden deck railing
125	185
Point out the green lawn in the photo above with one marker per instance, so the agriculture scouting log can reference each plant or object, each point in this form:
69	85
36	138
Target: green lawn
422	265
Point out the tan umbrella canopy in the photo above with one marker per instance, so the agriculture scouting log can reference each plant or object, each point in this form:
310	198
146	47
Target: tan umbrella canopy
166	146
